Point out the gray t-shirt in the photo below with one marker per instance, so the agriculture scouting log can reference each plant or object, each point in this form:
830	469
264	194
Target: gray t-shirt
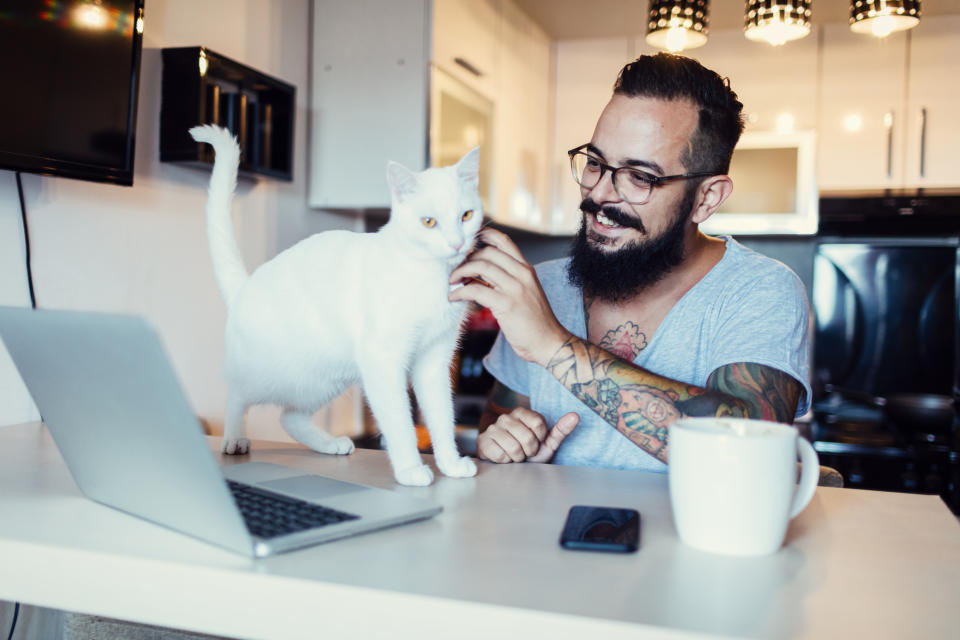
748	308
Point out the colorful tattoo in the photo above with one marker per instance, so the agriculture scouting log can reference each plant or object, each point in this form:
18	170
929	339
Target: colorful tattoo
769	394
626	341
641	405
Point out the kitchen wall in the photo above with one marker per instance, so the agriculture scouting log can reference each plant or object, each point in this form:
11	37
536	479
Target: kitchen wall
142	249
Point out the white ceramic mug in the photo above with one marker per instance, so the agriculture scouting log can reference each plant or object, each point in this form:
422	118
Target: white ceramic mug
733	482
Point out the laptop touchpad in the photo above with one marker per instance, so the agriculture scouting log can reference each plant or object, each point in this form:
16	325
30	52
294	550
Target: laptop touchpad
310	487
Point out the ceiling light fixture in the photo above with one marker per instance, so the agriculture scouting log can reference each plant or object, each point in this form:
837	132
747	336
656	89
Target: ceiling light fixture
883	17
676	25
777	21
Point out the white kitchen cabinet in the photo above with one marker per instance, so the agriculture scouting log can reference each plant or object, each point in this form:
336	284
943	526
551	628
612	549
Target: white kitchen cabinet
888	108
523	124
862	121
370	97
378	67
466	42
933	104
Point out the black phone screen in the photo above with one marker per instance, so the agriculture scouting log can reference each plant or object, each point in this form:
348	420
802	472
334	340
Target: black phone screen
601	529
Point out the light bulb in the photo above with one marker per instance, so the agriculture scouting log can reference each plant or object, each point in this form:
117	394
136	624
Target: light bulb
776	27
676	39
883	26
776	37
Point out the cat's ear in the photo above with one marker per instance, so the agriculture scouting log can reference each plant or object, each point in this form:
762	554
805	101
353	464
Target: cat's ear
468	168
403	182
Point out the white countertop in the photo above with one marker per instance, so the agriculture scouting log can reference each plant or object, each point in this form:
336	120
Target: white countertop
856	564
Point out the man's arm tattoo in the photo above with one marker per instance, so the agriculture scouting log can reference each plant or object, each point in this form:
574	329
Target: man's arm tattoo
641	405
626	341
769	394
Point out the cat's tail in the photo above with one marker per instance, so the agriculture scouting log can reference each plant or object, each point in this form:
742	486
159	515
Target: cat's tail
228	265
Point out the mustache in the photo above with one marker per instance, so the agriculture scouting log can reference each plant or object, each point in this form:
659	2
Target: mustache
614	213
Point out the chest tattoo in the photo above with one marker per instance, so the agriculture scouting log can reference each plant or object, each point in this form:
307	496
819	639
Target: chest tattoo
626	341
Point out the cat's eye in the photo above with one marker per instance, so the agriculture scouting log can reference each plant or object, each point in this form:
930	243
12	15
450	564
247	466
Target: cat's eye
428	222
467	215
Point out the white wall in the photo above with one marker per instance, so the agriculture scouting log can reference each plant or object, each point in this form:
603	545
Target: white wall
142	249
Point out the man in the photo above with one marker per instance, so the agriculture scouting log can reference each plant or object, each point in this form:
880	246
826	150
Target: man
649	319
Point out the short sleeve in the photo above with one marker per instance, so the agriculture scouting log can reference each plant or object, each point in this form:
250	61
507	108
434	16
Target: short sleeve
766	321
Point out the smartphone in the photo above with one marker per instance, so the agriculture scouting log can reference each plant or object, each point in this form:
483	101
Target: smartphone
601	529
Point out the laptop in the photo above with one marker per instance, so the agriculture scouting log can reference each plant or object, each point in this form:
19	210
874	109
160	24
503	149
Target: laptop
116	411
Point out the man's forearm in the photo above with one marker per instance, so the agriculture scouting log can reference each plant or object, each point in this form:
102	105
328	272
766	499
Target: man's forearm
638	403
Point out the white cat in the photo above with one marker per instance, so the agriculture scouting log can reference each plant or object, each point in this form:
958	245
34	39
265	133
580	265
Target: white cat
341	307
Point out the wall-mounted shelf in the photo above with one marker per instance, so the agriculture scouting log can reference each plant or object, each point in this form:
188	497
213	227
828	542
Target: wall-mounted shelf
201	86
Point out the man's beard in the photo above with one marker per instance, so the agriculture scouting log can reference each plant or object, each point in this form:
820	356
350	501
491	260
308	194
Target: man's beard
617	275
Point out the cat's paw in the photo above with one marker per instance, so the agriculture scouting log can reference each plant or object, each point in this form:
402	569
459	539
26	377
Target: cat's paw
419	476
235	446
322	443
458	467
341	446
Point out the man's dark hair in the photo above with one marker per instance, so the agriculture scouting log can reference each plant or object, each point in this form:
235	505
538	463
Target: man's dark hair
672	77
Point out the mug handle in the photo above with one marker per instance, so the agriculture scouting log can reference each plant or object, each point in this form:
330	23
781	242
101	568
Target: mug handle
809	476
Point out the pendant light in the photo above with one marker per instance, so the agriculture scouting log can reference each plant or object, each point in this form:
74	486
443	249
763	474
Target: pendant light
676	25
777	21
883	17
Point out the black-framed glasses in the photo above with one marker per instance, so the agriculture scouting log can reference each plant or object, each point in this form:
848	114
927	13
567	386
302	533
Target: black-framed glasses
632	185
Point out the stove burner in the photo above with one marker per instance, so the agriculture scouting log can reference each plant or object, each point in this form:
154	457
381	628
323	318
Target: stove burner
872	439
842	420
838	420
874	436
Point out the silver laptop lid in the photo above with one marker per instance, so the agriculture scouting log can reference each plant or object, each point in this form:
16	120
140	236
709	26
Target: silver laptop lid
112	402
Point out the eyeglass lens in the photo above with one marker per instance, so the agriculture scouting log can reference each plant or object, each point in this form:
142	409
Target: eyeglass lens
629	184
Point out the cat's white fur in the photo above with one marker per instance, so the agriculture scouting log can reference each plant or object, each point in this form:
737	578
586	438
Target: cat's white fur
341	307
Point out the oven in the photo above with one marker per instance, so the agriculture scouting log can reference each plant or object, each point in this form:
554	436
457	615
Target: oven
885	364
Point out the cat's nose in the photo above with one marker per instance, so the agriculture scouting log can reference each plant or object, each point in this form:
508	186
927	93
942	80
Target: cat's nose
456	246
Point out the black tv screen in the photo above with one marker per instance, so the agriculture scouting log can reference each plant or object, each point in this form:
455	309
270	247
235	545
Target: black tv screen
69	73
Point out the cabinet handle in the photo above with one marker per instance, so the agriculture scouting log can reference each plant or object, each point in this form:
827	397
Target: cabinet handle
463	62
888	123
923	142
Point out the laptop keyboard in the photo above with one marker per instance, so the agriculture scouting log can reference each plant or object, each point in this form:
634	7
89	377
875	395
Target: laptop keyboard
269	514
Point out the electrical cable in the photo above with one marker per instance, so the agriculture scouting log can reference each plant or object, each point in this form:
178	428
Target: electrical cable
13	625
26	242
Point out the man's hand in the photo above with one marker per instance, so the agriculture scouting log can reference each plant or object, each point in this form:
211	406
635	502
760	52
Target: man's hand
509	287
522	435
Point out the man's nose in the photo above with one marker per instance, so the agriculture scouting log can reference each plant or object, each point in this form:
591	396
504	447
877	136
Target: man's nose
604	191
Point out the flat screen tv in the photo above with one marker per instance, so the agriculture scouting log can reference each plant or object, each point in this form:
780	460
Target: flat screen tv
69	72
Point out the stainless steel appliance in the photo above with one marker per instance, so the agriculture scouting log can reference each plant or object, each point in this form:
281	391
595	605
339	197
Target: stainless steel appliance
885	363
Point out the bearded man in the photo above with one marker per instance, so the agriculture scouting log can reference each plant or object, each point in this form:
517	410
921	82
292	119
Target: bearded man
648	319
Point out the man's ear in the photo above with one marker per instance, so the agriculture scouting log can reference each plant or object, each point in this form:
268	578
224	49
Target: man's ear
712	192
